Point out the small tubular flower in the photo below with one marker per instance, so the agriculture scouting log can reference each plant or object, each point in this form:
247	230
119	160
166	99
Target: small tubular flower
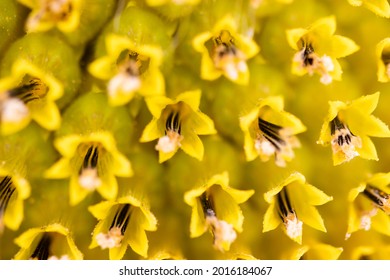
318	49
379	7
383	60
347	127
129	68
369	205
122	223
46	14
77	20
91	161
14	189
270	131
292	204
35	84
90	141
51	242
177	124
215	208
225	52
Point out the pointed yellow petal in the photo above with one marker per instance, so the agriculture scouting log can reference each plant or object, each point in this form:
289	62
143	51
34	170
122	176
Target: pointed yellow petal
294	36
117	253
197	224
271	218
67	145
191	98
368	150
192	145
61	169
202	124
381	223
342	46
109	187
14	215
162	157
76	192
121	165
101	210
156	104
138	240
151	132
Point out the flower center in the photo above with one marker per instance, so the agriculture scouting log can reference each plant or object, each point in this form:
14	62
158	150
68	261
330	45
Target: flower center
274	139
309	60
172	138
386	61
343	141
380	198
287	214
227	57
117	229
13	104
51	11
88	175
131	66
223	232
6	191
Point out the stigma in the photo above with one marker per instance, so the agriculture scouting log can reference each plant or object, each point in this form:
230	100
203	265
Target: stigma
113	238
343	141
7	189
171	141
88	175
309	60
275	140
287	213
223	232
227	57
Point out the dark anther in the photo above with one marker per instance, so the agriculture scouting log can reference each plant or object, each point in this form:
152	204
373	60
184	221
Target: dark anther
6	191
121	218
42	250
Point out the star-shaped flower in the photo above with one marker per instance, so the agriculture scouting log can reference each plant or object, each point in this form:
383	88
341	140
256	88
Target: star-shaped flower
369	205
318	49
29	93
177	124
292	204
270	131
129	68
47	14
14	189
122	223
51	242
379	7
383	60
215	208
225	52
91	161
347	128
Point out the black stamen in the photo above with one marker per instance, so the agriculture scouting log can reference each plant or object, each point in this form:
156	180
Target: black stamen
271	133
26	92
307	59
91	157
284	204
376	195
6	191
173	123
42	250
335	124
208	209
121	218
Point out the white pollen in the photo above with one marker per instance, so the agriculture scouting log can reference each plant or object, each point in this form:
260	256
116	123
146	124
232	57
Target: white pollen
264	147
89	179
327	63
326	79
123	83
170	142
13	110
111	239
231	70
223	232
62	258
293	226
